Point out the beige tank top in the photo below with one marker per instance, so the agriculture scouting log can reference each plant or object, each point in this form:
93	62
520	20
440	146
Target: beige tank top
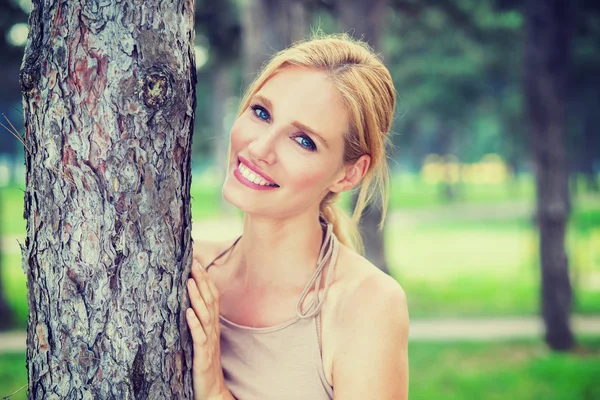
283	361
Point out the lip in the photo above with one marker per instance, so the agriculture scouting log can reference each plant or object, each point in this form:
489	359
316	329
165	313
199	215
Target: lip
246	182
255	169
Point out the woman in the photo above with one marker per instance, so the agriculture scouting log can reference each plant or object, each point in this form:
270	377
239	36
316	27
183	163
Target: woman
290	309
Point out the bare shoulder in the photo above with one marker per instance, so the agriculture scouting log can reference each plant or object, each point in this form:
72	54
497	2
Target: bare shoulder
370	303
366	288
371	327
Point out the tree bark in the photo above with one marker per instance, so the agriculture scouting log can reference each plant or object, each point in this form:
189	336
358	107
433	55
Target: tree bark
365	20
109	99
270	26
549	30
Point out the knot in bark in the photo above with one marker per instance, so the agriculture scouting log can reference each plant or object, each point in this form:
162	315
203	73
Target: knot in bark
29	80
155	90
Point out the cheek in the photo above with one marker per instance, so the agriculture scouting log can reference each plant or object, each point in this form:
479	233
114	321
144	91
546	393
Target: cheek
237	135
311	179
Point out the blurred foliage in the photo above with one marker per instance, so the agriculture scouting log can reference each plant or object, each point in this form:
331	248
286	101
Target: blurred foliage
457	66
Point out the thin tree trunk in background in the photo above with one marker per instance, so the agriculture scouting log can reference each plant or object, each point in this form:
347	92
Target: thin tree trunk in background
549	30
365	20
222	89
6	314
446	137
269	26
591	149
109	100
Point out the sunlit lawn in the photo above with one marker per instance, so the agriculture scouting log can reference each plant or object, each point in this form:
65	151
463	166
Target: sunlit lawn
450	264
523	370
488	268
520	370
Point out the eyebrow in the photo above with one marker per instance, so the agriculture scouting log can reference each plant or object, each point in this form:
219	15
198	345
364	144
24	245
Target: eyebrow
297	124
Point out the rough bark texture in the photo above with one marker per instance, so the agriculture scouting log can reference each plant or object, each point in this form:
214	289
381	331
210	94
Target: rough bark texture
270	26
109	98
365	20
549	31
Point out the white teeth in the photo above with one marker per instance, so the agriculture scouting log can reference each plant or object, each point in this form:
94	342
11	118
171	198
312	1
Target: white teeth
252	177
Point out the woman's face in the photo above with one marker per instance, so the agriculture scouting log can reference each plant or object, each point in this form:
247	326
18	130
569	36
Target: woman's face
287	147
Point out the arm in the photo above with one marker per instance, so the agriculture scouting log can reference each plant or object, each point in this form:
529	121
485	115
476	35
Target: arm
371	358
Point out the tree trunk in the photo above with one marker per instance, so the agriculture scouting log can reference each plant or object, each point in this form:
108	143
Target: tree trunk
590	151
365	20
6	314
109	100
549	30
222	90
446	138
270	26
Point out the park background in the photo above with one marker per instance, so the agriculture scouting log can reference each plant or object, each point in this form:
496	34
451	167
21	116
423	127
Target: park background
460	237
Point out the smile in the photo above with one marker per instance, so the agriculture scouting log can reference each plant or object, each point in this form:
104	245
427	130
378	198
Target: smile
251	178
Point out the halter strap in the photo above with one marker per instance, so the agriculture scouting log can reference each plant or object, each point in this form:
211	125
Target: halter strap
327	256
223	253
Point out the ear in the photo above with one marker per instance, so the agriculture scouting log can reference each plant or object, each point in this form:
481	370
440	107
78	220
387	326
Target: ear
351	174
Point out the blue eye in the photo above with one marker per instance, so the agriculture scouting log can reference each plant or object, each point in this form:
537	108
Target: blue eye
260	112
306	143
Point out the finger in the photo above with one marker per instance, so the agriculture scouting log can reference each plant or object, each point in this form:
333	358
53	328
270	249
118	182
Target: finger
215	293
208	298
197	268
195	250
198	272
198	335
199	306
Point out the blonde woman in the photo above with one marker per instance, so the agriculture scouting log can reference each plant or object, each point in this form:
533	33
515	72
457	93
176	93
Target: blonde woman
290	309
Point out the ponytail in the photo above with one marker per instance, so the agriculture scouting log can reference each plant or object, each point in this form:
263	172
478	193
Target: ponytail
344	227
375	187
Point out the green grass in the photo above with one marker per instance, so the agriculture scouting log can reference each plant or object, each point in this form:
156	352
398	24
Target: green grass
15	288
523	370
487	267
503	370
13	375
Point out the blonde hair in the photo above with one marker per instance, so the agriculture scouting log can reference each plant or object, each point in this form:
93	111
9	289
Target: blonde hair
368	93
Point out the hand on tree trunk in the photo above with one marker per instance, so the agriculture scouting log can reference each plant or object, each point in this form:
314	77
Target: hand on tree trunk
203	321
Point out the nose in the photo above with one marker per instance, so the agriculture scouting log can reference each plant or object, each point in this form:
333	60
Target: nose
262	149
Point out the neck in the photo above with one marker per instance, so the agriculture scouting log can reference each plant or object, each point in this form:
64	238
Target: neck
279	252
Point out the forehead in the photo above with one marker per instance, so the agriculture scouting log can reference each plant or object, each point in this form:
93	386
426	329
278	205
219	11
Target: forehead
306	96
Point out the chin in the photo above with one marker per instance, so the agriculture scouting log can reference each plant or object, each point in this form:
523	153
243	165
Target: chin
236	196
